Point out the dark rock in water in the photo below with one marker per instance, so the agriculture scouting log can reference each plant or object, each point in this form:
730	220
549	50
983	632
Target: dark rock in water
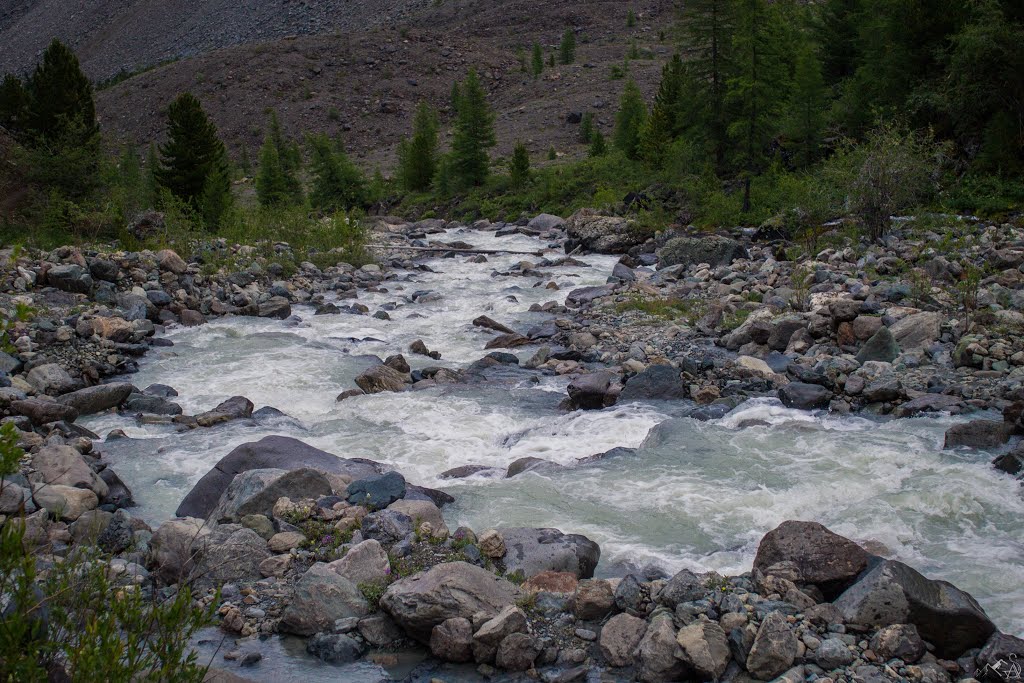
270	452
1012	462
978	434
822	558
234	408
529	464
503	358
508	341
658	382
617	452
420	349
118	493
999	652
623	273
689	251
327	309
930	403
490	324
334	648
254	492
97	398
804	396
268	413
152	405
398	362
381	378
377	492
464	471
438	498
881	346
545	330
893	593
275	307
715	411
590	392
533	551
387	527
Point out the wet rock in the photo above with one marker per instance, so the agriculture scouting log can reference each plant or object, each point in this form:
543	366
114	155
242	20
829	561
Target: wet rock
893	593
774	648
530	464
1012	462
899	641
275	307
590	392
42	412
151	405
508	341
978	434
321	597
334	648
805	396
254	492
381	378
690	251
658	382
365	562
532	551
821	557
544	222
464	471
881	347
96	399
620	637
930	403
455	589
376	492
490	324
585	295
234	408
452	640
705	649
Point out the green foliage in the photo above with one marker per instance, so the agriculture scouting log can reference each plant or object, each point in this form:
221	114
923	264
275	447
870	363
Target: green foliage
567	48
193	161
598	147
14	99
473	134
417	156
663	124
337	183
536	61
271	184
60	99
586	128
630	19
373	591
807	104
519	167
629	121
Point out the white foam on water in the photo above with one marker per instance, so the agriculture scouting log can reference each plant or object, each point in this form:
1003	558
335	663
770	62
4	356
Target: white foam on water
698	495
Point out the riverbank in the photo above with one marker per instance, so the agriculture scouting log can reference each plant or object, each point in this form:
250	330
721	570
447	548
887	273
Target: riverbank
583	333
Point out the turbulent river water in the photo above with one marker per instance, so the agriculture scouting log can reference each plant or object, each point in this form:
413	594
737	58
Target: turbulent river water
696	494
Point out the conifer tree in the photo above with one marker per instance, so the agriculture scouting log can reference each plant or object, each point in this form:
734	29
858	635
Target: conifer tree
567	48
473	134
537	63
586	128
289	162
244	163
61	102
193	162
662	126
417	156
629	120
150	181
271	185
337	183
807	103
13	104
598	147
551	60
630	19
519	167
709	27
455	98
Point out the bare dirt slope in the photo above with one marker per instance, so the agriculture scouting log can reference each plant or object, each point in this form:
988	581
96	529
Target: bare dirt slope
364	85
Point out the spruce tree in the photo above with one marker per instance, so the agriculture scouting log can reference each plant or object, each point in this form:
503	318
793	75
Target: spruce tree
13	104
193	162
417	156
629	121
567	48
289	162
271	184
519	167
537	63
337	183
662	126
708	30
807	103
150	180
455	98
598	147
586	128
630	19
61	106
551	60
473	134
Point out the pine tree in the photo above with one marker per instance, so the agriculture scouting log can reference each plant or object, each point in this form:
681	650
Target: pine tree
271	184
61	106
130	180
838	29
443	178
473	134
567	48
630	19
455	98
244	163
151	182
807	103
629	120
551	60
519	167
193	162
662	125
709	27
288	165
537	63
417	156
337	183
598	147
586	128
13	104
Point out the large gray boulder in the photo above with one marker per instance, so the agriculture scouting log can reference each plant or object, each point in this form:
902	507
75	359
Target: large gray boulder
279	452
881	346
620	637
321	597
917	331
96	399
70	278
254	492
41	412
601	234
659	654
714	250
658	382
822	558
229	554
64	466
894	593
590	391
381	378
532	551
774	648
705	649
978	434
446	591
51	379
805	396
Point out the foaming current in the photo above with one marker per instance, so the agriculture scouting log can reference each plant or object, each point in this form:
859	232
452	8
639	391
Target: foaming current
695	494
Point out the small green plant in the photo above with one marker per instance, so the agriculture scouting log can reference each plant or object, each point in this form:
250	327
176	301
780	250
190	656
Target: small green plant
373	591
802	279
630	19
528	602
967	288
333	114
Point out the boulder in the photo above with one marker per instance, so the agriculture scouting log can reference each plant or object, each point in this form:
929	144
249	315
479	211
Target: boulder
930	403
714	250
14	498
275	307
376	492
454	589
805	396
532	551
70	278
96	399
978	434
50	379
234	408
364	562
387	526
822	558
917	331
169	260
41	412
491	324
659	653
334	648
517	652
685	586
492	632
379	630
620	637
774	648
270	452
881	346
593	600
1000	651
151	405
65	466
452	640
115	329
254	492
319	598
705	649
171	548
585	295
545	222
833	653
658	382
420	511
899	641
65	502
891	592
230	553
381	378
601	234
284	541
590	391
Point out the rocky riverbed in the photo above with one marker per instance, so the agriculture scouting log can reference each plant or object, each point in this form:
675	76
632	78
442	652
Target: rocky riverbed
571	355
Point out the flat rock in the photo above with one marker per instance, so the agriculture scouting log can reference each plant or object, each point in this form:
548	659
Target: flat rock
532	551
96	399
321	597
254	492
658	382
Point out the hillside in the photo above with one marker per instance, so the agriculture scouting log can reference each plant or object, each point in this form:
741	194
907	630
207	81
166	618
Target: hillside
365	85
